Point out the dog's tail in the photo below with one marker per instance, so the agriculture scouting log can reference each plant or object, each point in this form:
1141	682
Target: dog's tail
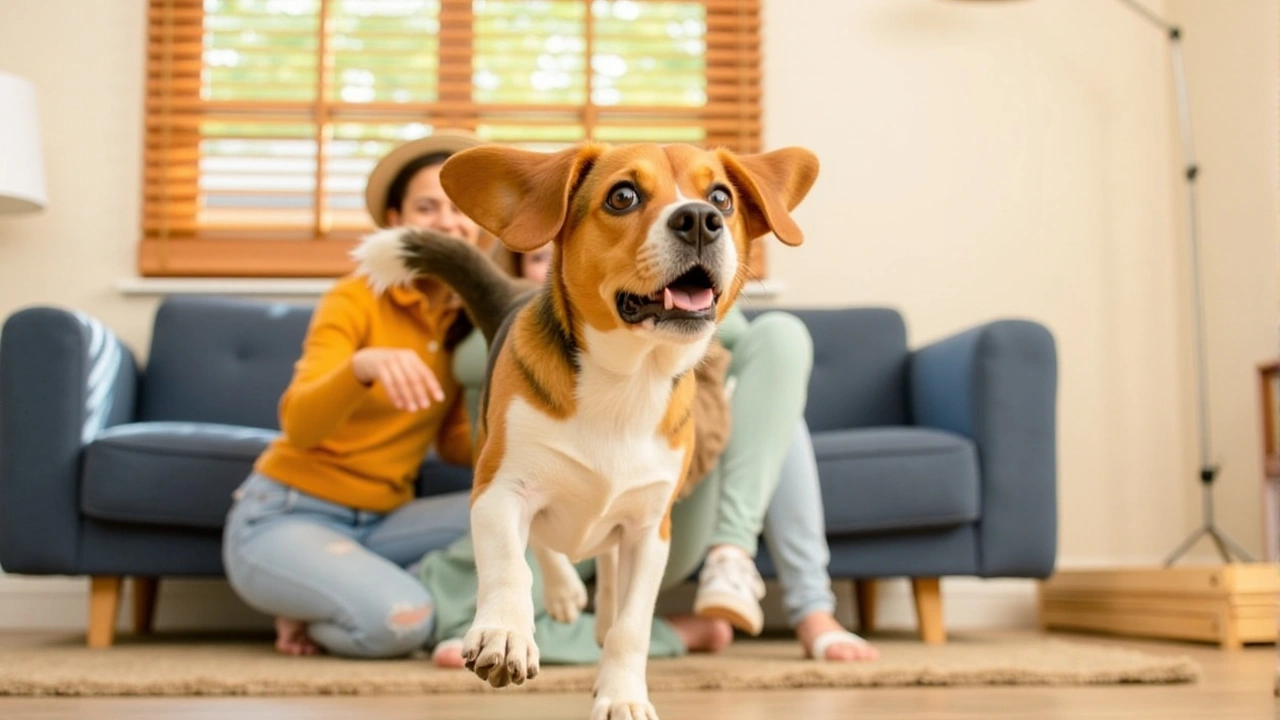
397	256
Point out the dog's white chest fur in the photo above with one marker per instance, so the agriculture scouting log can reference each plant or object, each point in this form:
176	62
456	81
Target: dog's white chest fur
606	470
591	480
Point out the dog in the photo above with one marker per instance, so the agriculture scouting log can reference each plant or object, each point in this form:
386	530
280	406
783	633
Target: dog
585	429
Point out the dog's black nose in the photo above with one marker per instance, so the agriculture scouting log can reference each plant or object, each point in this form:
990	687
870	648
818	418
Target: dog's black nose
697	224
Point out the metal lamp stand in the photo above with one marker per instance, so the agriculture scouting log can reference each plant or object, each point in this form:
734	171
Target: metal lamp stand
1208	470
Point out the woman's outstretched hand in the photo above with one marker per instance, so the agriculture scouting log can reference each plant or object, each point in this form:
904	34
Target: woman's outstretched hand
406	378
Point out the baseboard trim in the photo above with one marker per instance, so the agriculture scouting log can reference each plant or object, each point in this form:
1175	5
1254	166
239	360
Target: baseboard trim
61	603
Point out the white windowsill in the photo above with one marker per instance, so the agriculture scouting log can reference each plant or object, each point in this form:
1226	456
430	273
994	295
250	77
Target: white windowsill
146	286
223	286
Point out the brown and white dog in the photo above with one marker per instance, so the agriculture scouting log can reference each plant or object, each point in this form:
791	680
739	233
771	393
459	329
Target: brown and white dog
585	429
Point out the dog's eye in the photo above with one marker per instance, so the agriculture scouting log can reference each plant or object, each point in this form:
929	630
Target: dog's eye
721	199
622	197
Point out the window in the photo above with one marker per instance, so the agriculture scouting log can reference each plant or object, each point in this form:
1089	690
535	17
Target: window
263	117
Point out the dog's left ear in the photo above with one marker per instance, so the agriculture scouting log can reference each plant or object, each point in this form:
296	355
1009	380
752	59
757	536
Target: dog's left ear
520	196
770	185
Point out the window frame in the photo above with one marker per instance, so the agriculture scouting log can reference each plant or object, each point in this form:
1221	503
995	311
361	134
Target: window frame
174	244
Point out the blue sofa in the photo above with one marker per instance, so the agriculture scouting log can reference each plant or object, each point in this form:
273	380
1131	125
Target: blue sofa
934	461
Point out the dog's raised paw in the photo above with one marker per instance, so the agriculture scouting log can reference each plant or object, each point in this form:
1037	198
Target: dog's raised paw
565	601
500	656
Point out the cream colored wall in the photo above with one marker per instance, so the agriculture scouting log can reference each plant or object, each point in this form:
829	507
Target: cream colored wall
1020	159
86	59
1232	65
979	161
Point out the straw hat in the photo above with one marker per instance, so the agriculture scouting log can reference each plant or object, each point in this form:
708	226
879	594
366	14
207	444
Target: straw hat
385	172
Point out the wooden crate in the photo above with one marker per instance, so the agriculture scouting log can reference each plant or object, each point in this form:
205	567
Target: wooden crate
1231	604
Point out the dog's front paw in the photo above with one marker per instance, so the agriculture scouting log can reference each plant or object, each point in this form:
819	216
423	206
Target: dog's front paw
565	599
605	709
621	696
500	655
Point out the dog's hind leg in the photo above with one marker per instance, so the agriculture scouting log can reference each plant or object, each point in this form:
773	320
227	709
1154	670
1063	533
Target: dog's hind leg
606	592
562	590
499	646
621	689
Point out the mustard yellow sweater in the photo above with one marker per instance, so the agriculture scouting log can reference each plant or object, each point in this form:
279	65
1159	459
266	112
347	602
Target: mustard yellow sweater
345	441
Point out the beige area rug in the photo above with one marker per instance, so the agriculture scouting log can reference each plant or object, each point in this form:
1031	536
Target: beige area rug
199	665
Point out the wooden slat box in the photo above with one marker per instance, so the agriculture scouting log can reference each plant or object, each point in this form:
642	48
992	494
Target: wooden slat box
1230	604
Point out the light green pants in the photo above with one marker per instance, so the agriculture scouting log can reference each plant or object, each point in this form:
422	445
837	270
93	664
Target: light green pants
772	357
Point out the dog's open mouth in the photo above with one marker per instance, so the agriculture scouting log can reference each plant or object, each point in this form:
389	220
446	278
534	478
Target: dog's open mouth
692	296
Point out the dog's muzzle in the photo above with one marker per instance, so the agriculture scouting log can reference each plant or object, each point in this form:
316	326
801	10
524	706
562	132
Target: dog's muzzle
692	254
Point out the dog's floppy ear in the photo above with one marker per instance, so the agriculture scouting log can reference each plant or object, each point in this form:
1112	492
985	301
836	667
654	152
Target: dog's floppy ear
770	185
520	196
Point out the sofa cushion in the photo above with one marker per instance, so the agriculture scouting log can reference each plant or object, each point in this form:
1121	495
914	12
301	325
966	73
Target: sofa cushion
175	473
168	473
898	478
221	360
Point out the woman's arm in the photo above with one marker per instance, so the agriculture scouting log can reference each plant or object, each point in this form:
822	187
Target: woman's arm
325	390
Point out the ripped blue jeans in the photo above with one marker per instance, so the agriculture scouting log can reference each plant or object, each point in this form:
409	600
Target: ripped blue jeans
340	570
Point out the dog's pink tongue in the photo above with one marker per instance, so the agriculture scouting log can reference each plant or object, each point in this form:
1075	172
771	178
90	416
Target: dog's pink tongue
693	301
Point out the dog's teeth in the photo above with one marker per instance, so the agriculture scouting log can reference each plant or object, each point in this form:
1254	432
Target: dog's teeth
668	301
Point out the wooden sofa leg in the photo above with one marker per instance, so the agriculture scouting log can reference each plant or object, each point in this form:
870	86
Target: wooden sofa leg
144	603
866	592
928	594
104	603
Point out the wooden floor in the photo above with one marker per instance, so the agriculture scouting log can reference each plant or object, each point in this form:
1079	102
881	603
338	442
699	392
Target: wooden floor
1236	686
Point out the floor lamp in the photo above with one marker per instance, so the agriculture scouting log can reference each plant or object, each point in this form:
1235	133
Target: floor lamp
1208	469
22	186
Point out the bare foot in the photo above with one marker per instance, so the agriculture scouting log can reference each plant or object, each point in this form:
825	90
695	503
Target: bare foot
448	654
700	634
292	638
816	623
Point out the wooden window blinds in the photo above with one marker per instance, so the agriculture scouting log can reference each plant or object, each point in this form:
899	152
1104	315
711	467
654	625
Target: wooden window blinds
264	117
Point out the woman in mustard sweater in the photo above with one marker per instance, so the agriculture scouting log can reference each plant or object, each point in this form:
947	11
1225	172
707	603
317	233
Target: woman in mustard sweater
309	536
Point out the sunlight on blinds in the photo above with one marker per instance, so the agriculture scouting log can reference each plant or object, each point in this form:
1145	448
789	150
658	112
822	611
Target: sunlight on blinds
265	116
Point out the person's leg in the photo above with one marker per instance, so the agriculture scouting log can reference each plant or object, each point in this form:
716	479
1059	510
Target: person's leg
772	361
693	519
295	556
795	533
430	523
770	369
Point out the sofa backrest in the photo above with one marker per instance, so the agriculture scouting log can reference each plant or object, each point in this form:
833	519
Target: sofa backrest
221	360
227	360
859	367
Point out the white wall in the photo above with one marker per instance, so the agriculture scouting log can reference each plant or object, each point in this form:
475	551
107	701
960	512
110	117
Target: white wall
980	160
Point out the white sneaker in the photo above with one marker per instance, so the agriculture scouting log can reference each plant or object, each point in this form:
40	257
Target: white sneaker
730	588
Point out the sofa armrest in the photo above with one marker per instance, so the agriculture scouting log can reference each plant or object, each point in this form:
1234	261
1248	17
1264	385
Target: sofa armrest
63	378
997	385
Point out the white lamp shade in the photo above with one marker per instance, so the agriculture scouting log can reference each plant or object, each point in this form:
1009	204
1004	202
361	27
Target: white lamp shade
22	187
